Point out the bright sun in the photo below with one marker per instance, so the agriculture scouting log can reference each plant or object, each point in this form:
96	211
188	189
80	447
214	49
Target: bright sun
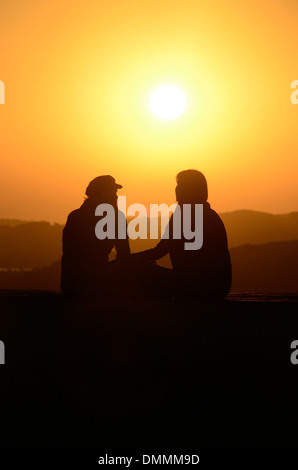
167	102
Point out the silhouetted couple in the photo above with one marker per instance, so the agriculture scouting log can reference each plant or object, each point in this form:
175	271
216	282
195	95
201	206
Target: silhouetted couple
202	273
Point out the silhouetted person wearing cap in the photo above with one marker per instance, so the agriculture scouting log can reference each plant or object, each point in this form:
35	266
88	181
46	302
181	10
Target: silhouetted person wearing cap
85	259
202	273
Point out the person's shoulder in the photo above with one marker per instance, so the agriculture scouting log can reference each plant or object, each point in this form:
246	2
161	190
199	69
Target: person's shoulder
213	215
73	216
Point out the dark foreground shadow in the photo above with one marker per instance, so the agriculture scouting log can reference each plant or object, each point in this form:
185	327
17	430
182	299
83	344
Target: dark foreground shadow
153	375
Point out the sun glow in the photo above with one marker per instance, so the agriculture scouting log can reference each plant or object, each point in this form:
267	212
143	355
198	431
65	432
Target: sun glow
167	102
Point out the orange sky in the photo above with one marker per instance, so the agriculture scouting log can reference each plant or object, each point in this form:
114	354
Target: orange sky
78	77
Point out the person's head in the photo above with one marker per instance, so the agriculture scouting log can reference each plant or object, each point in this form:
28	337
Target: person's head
103	189
191	187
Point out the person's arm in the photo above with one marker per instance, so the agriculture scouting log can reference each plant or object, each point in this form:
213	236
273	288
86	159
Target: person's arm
122	248
160	250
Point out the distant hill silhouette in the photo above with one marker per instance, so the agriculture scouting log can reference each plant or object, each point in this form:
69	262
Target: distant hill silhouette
44	278
29	244
264	251
268	268
35	244
247	226
272	267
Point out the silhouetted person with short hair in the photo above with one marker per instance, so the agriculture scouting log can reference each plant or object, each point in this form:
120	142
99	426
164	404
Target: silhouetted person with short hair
203	273
85	259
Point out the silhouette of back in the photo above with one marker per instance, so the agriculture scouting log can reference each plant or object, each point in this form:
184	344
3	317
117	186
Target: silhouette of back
85	259
205	272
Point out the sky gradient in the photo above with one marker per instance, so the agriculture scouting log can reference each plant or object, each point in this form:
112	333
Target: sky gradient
78	77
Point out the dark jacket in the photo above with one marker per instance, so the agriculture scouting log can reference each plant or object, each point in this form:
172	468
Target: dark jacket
203	272
85	258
